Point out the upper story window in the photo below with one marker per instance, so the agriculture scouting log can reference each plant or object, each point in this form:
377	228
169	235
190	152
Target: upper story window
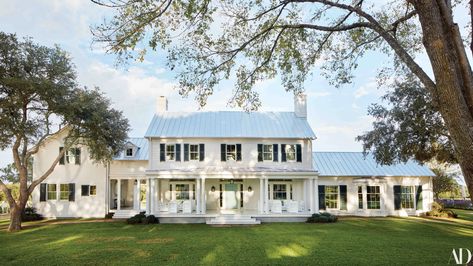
290	152
194	152
129	152
170	152
71	156
230	152
267	152
52	191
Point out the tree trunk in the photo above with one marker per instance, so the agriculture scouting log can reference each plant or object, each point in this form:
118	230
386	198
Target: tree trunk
453	80
15	219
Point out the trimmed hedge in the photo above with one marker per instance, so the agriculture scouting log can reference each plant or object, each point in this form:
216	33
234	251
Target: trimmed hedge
323	217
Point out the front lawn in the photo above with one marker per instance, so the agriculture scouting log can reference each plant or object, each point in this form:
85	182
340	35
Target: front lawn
350	241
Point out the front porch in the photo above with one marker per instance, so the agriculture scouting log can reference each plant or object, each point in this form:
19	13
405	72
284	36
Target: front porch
203	199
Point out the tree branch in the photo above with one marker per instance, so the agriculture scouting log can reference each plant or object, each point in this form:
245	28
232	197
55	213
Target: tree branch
10	199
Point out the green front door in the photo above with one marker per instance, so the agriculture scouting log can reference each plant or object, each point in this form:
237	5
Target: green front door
230	200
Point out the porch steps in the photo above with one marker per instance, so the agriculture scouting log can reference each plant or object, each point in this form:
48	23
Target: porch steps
124	214
233	219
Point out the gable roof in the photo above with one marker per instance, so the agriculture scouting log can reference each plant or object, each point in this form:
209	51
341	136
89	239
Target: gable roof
356	164
229	124
141	152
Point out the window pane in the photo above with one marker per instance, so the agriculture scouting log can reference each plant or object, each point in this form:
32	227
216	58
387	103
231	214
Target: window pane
93	190
231	152
373	197
182	192
268	152
52	192
194	152
129	152
170	152
291	152
331	197
360	197
64	192
279	192
407	197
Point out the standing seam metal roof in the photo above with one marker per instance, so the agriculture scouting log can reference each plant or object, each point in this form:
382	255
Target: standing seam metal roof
356	164
227	124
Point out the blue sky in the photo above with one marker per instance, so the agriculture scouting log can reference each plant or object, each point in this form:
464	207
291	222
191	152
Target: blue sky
336	115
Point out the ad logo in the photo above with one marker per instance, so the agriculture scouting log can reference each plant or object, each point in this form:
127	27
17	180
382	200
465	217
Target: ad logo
458	256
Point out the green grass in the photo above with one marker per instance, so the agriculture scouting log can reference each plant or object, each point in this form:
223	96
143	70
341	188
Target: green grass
354	241
464	214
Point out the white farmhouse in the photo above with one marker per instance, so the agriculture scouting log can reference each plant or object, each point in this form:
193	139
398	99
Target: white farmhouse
227	167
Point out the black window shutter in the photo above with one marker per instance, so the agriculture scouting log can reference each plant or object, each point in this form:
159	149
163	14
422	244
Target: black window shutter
77	155
260	152
201	152
275	152
321	197
162	152
283	152
61	160
299	152
238	151
84	190
178	152
223	152
72	191
42	192
186	152
397	197
343	197
419	205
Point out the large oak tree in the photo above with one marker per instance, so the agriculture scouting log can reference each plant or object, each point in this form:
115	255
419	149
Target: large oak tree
208	41
38	92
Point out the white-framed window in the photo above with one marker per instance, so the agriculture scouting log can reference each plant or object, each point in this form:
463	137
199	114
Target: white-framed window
290	152
129	152
93	190
279	191
373	197
64	192
407	197
231	152
182	191
194	152
52	191
267	152
170	152
331	197
360	197
73	156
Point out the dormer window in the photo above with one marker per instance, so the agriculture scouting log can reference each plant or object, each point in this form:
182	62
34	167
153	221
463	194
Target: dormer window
129	152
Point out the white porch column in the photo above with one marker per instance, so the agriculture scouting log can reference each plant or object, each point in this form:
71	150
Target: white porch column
316	195
266	195
261	195
156	197
119	193
148	194
204	198
311	195
197	195
136	194
152	195
304	194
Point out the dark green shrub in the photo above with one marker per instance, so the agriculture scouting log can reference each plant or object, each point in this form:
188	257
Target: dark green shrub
109	215
151	219
141	218
30	214
324	217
